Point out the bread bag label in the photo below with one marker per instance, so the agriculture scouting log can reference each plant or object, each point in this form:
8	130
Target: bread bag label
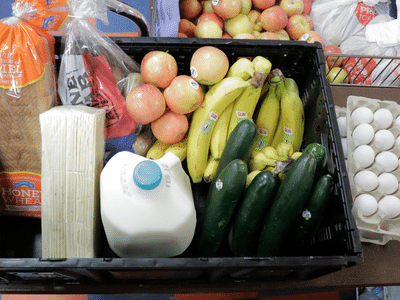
21	193
364	13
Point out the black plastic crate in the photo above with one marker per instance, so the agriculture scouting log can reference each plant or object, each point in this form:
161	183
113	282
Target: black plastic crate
335	246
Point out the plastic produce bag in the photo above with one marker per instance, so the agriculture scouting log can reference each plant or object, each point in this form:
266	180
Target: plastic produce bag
27	88
371	70
337	20
94	72
166	18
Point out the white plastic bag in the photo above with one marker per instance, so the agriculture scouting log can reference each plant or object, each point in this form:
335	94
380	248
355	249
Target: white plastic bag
166	18
337	20
94	72
371	70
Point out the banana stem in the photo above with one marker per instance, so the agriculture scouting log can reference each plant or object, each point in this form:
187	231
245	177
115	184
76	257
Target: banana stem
282	166
258	79
276	76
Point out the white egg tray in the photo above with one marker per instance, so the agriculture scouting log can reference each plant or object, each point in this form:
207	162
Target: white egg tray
379	227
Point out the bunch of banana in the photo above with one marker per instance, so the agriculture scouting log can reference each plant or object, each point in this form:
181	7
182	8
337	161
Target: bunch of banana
273	158
268	113
245	105
290	127
204	118
158	149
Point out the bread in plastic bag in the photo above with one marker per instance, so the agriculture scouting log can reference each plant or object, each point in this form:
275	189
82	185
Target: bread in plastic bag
371	70
94	72
27	88
337	20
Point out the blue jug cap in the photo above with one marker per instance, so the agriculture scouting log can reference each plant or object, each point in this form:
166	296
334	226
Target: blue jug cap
147	175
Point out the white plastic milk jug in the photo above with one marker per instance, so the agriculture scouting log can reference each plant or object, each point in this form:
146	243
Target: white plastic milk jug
147	206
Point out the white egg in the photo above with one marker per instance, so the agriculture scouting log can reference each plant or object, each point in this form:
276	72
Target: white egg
366	180
388	183
384	117
387	160
397	121
364	155
390	206
344	146
363	133
384	139
342	126
362	115
366	204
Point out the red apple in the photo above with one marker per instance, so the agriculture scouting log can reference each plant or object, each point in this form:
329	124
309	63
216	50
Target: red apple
310	21
189	9
207	6
158	68
333	61
238	24
263	4
183	95
292	7
268	35
181	35
246	7
212	17
283	35
187	27
297	26
245	36
307	7
255	17
226	35
227	9
274	18
312	37
208	29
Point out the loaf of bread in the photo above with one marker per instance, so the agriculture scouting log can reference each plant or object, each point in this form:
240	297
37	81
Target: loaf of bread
20	133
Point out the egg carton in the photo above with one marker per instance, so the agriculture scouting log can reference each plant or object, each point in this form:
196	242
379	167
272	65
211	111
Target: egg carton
378	227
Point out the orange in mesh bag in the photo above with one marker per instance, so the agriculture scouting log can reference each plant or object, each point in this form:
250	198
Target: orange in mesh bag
27	88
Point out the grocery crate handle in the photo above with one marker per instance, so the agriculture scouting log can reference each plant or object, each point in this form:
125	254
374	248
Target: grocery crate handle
131	13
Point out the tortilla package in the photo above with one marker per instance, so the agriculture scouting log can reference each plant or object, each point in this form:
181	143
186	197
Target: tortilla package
27	88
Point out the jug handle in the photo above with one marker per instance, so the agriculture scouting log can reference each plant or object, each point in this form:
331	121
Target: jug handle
131	13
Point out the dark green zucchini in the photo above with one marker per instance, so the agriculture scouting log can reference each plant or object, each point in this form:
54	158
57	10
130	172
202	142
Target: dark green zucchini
238	144
222	200
319	152
314	209
291	197
249	219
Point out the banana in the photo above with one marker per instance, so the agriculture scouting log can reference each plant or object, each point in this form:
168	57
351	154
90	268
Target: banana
246	103
259	161
220	133
243	68
251	176
284	150
157	150
291	85
296	155
203	120
267	118
292	114
210	170
179	149
271	152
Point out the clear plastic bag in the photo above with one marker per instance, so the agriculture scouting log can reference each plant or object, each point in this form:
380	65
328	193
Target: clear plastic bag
94	71
27	88
371	70
337	20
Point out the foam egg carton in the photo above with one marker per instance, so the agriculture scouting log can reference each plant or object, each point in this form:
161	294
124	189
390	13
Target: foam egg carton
376	228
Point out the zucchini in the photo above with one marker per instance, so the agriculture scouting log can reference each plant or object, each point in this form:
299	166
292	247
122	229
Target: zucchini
291	197
238	144
222	199
249	219
314	209
319	152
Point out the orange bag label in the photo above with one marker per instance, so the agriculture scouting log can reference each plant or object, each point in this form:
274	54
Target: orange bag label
21	193
21	55
364	13
359	69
